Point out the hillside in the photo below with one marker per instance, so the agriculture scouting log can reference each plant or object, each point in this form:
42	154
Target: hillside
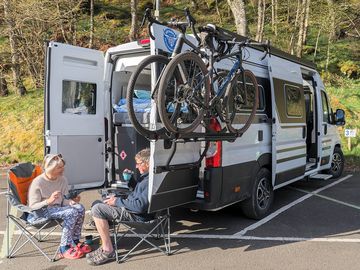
339	62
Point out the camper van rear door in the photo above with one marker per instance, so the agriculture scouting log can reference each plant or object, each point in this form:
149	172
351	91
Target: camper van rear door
74	111
289	121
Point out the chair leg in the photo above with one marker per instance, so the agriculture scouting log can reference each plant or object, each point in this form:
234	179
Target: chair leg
115	241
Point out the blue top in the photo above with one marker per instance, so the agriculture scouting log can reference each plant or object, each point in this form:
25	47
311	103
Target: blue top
137	201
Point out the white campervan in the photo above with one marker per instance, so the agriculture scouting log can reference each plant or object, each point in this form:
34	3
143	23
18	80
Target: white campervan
293	135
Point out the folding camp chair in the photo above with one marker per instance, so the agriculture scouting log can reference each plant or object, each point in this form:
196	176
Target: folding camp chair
19	180
157	228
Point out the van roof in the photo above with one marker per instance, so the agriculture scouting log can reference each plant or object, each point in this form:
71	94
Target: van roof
273	50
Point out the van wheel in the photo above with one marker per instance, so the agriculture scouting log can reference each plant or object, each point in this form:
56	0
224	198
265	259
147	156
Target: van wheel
262	196
337	163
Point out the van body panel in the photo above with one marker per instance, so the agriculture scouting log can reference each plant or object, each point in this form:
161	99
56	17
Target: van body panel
74	112
288	128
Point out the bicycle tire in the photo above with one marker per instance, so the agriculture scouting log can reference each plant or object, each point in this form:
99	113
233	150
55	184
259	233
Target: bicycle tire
181	106
142	129
232	96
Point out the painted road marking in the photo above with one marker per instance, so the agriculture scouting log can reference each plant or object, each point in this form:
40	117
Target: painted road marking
286	207
3	251
328	198
238	237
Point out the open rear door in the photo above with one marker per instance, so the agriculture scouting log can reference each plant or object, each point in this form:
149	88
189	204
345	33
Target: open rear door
74	112
289	121
177	184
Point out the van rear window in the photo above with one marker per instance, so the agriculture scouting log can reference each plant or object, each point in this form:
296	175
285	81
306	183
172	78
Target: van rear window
78	97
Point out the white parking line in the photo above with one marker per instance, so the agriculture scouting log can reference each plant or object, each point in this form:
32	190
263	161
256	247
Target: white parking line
286	207
237	237
328	198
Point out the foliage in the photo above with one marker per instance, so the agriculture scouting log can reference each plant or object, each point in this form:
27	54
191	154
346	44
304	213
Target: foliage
21	125
350	69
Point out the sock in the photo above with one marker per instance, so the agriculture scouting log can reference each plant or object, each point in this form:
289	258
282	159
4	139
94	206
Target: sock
63	249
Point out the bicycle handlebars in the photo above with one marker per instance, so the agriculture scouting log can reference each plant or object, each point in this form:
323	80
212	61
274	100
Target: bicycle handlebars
182	26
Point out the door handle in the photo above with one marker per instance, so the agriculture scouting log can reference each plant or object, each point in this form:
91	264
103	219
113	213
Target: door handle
325	129
304	132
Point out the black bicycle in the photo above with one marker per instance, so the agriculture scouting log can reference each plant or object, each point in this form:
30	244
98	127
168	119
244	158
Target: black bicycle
155	64
190	90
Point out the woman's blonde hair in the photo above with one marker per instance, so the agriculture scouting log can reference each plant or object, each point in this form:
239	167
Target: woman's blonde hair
51	161
143	155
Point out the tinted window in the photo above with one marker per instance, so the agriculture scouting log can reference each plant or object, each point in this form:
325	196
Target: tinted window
78	97
248	97
325	106
293	101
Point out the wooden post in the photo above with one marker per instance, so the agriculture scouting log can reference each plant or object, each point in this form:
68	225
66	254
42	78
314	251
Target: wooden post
349	143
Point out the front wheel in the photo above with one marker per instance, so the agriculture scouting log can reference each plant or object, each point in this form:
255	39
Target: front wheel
183	93
242	96
262	196
337	163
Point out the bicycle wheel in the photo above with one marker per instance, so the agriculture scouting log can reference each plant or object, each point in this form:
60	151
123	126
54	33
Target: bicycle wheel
183	93
153	63
242	95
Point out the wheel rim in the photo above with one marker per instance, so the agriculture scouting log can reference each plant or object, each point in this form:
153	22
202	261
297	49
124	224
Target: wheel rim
336	162
263	193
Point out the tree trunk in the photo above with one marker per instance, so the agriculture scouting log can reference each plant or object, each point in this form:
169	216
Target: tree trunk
274	19
292	38
133	29
217	10
299	46
238	10
316	44
306	23
20	88
332	29
4	91
91	37
260	21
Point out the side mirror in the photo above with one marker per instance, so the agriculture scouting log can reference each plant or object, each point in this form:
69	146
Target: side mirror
340	117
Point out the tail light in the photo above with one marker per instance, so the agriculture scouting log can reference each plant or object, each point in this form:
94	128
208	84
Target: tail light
144	42
214	153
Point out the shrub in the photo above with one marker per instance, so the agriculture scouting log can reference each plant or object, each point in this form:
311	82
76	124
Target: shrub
350	69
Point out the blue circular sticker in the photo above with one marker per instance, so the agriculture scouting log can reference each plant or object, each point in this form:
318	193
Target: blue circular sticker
170	39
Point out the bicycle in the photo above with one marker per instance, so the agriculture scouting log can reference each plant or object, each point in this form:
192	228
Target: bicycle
156	64
193	84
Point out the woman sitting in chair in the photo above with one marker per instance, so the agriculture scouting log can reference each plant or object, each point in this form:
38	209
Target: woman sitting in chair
46	196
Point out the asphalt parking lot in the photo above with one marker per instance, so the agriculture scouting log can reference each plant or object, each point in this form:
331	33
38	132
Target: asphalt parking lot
313	225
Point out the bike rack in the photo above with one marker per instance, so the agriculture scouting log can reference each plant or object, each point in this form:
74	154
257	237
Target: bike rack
176	167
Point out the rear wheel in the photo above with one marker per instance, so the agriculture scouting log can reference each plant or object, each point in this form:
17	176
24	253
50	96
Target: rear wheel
337	163
183	93
262	196
241	97
153	63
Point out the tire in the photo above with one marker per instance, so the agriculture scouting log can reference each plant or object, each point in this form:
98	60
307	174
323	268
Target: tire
262	196
161	62
337	163
237	98
183	93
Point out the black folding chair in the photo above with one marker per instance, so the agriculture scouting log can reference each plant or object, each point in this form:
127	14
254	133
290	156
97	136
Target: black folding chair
19	180
157	228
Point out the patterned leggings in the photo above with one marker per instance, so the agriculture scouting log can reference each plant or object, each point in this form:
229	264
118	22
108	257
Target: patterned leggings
73	217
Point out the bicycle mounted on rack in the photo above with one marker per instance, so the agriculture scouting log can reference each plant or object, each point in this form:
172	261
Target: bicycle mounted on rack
184	107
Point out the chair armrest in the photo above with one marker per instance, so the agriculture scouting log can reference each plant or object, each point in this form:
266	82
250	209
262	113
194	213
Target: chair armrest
15	203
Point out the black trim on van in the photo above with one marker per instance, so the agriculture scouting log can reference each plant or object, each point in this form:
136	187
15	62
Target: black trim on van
288	175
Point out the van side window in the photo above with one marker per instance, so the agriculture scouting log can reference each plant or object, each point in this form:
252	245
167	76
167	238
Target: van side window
78	97
293	101
248	98
325	106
